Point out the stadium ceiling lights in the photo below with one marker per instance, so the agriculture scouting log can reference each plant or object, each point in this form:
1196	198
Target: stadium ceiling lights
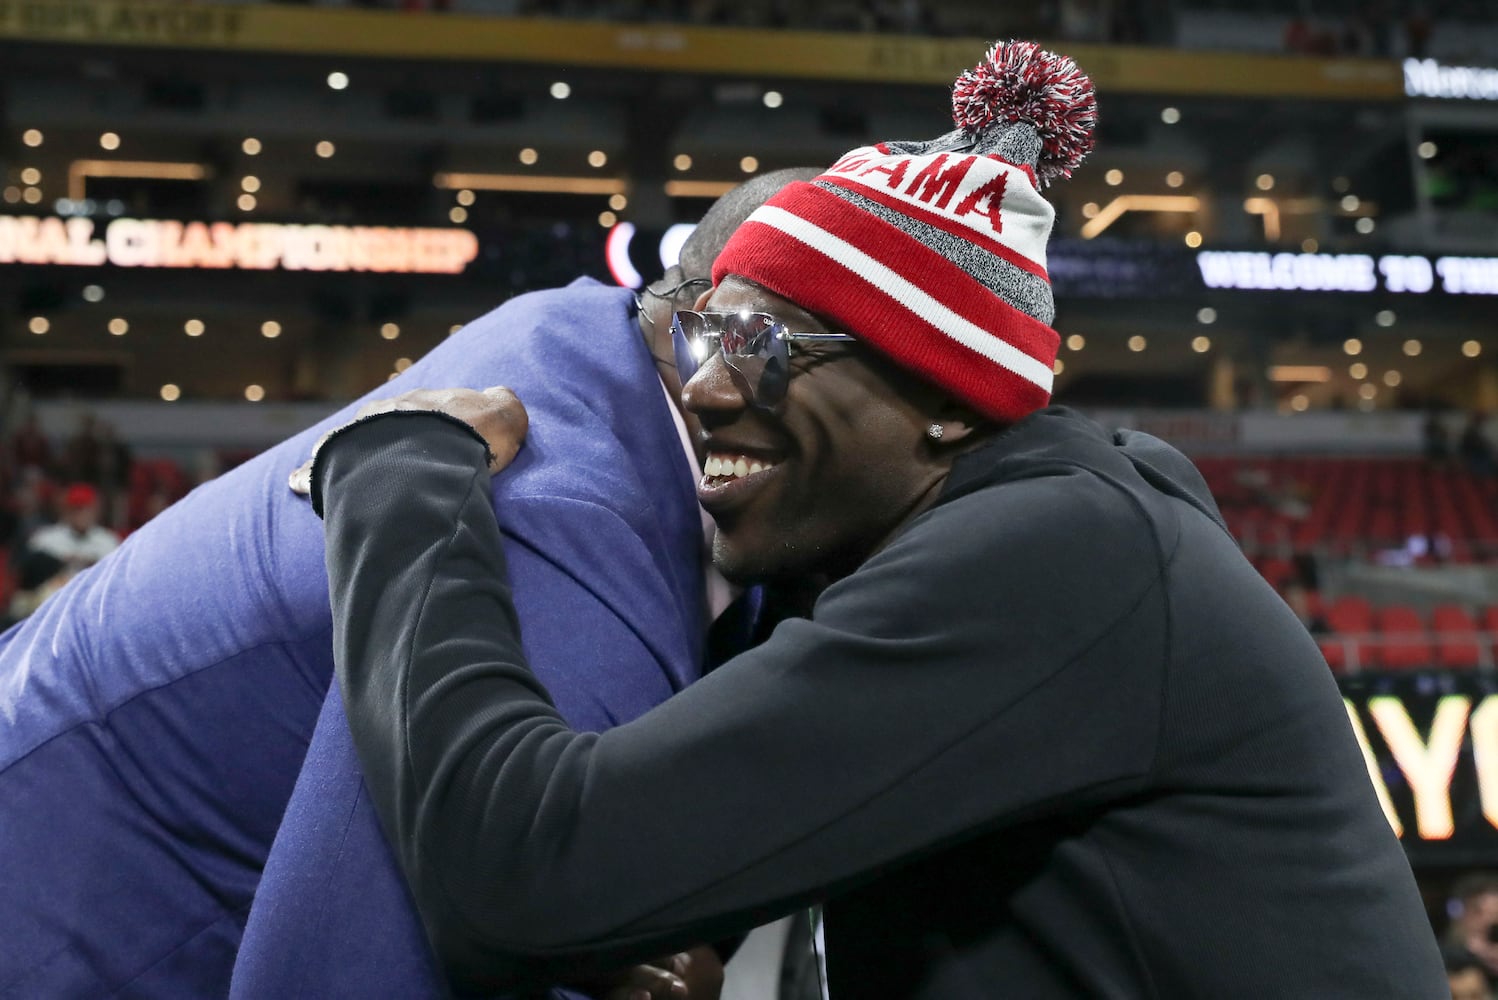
1300	373
1272	210
79	171
553	184
1111	212
531	183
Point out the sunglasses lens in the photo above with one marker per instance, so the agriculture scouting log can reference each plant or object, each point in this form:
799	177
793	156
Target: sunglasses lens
687	343
760	355
742	332
749	344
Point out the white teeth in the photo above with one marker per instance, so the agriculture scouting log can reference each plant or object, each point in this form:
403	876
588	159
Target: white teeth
733	467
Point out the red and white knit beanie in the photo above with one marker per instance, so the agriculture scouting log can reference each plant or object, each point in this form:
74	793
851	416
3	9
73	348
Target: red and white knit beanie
935	252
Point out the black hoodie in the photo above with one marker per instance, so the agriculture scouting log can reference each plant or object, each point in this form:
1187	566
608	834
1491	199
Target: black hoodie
1057	739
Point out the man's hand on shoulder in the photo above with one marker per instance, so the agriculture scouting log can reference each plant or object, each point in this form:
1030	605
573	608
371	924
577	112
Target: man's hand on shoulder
496	414
689	975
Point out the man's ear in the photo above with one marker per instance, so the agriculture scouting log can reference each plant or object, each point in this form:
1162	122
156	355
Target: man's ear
954	423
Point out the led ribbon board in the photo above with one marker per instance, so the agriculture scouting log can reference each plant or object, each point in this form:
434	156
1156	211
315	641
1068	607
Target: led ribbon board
1428	78
1348	272
251	246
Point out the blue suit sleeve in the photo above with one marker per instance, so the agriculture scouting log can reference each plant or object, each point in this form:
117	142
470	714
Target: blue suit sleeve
332	915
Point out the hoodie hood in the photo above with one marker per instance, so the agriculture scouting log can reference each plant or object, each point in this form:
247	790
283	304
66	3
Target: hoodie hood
1058	440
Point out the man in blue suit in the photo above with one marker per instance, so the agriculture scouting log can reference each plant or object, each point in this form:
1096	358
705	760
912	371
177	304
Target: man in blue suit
157	710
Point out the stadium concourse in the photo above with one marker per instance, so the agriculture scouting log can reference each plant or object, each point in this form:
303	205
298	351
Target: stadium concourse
220	223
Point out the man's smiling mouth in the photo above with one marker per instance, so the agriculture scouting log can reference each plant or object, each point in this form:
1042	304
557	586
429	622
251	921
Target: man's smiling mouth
730	477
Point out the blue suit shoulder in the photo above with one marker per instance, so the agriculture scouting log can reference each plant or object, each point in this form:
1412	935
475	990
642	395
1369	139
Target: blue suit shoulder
603	541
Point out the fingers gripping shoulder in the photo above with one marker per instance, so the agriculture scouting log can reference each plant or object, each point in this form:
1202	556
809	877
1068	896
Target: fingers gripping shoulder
418	427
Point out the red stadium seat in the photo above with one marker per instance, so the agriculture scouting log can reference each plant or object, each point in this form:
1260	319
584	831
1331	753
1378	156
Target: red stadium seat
1334	649
1277	571
1456	638
1350	614
1404	644
1490	626
1350	619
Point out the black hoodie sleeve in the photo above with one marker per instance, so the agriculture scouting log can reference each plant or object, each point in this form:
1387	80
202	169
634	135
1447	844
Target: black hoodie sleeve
965	678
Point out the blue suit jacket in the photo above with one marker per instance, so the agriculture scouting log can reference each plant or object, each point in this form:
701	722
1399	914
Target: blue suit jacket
157	710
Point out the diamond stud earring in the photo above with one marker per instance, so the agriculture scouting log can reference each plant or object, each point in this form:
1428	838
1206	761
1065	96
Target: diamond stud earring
935	431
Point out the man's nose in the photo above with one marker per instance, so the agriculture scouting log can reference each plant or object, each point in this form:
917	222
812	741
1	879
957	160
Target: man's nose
716	390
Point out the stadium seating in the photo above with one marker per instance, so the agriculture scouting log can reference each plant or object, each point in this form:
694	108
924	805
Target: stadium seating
1457	643
1360	637
1404	643
1356	506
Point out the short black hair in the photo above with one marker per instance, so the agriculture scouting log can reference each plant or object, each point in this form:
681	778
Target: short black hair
728	213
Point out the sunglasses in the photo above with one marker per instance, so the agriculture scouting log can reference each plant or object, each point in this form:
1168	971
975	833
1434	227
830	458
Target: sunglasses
755	345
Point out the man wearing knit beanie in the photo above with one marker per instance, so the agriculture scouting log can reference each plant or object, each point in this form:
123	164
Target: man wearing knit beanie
1046	734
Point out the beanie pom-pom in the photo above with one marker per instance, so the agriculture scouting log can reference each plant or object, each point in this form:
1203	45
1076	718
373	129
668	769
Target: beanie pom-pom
1021	82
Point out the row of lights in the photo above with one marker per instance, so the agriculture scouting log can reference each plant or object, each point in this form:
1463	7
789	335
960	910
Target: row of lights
1175	178
1352	346
251	146
1137	344
561	90
529	157
195	327
34	138
1300	402
254	392
1366	392
1412	348
171	392
270	329
683	162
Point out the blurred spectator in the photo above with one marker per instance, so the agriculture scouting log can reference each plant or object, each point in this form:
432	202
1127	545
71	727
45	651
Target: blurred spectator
1305	37
1417	29
1474	923
1475	448
1379	19
1437	438
78	540
80	462
113	471
27	509
29	447
1297	37
1299	598
156	501
114	458
39	576
1086	20
1466	976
